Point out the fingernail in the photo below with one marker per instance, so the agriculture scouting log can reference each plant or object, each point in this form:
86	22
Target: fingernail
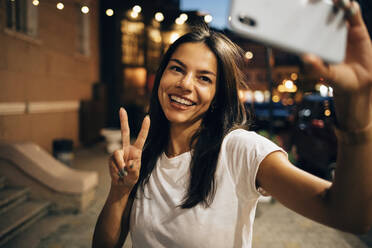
120	174
351	11
344	3
124	172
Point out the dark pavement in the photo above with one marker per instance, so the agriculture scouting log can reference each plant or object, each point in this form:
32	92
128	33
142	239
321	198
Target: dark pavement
275	226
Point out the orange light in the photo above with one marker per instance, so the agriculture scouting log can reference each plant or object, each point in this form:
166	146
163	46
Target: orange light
294	76
276	98
134	14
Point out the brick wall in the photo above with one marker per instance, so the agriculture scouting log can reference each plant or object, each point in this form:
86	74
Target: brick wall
46	69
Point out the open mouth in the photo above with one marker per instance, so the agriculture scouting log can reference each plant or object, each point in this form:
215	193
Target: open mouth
181	100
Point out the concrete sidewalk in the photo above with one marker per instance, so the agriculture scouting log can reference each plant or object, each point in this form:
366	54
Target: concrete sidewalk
275	226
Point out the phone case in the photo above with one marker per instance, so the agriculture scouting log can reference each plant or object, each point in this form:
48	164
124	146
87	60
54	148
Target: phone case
299	26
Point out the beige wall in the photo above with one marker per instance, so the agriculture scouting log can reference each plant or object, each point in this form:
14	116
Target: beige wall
46	69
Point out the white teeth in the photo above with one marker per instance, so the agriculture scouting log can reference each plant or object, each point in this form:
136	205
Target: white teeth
181	100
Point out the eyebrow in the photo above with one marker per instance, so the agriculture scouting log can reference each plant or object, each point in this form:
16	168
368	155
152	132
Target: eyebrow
183	65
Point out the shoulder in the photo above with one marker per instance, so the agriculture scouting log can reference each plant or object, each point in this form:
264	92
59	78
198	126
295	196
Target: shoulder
239	136
243	142
242	152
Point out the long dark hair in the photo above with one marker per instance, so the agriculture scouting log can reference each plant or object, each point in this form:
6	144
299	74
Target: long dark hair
225	113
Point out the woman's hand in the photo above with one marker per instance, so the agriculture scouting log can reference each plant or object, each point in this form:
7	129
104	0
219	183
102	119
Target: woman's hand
125	163
113	222
351	190
352	79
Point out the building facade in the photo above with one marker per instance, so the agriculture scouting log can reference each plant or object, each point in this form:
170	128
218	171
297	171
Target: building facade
49	60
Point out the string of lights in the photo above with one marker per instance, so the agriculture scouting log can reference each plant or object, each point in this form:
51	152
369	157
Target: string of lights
59	5
158	16
135	12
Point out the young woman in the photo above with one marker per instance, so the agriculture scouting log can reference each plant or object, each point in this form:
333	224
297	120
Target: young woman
193	178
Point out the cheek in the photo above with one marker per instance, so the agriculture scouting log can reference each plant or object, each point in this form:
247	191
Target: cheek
209	94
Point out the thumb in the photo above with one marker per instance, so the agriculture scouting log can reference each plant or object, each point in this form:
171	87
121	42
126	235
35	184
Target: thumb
318	66
339	76
354	14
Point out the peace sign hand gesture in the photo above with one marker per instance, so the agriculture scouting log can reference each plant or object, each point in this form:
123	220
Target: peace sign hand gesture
125	163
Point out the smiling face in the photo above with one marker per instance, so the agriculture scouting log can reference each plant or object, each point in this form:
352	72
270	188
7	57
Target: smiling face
188	84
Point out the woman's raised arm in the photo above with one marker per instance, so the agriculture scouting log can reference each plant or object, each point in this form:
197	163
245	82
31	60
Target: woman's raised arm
347	203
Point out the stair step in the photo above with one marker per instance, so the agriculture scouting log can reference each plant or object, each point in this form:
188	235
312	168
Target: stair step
9	197
2	182
21	217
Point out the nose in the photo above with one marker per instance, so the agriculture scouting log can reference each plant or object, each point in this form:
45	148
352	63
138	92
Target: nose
186	81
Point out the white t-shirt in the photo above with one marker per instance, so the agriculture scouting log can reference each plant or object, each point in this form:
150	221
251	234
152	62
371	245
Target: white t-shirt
158	221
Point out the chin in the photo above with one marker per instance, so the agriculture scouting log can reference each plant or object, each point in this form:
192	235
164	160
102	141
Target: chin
181	119
172	118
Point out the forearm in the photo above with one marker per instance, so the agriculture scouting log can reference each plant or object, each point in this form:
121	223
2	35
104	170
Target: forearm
108	230
350	196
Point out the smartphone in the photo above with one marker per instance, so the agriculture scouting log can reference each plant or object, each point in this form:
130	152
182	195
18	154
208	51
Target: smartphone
298	26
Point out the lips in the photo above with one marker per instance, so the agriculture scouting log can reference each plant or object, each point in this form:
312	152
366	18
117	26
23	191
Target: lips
181	100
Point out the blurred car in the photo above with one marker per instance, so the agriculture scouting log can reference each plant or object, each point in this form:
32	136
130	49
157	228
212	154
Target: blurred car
262	120
313	137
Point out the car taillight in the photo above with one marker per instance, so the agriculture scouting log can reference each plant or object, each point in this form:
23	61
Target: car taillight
317	123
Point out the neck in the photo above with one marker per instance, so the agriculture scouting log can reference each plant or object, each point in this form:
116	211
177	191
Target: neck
180	138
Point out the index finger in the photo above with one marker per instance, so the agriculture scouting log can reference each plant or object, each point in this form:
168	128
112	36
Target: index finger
143	133
355	15
352	10
125	132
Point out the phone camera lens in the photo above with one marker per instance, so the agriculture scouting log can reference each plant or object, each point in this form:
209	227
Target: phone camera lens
247	20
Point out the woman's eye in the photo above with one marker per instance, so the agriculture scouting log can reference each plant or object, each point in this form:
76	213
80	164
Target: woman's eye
176	68
206	79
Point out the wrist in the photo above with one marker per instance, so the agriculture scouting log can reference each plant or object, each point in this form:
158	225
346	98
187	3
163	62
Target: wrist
353	111
119	193
354	137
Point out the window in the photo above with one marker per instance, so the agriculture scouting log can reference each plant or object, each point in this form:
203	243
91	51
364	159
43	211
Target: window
154	48
133	42
22	16
83	32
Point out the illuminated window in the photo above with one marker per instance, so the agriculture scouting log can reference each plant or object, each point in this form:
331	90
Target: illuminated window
133	42
22	16
154	48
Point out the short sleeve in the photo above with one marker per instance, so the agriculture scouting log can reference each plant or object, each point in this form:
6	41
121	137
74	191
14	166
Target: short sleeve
244	151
